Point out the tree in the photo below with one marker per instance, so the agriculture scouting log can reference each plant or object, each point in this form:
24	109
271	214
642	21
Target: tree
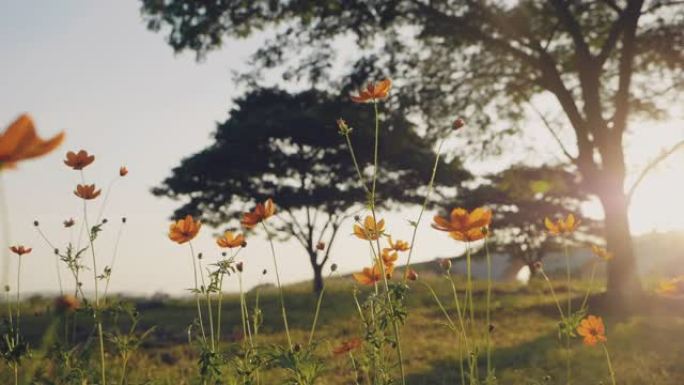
287	147
487	59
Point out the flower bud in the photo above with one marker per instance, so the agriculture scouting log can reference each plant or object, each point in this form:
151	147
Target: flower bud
333	267
320	246
264	272
35	223
411	275
458	123
239	266
537	266
445	264
343	128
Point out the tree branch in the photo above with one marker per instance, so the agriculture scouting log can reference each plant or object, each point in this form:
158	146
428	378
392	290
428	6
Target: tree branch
553	133
651	166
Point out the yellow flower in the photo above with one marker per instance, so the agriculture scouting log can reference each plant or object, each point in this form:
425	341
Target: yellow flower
184	230
78	160
261	212
463	225
593	330
399	245
370	229
87	191
562	226
673	287
373	92
230	240
601	253
20	142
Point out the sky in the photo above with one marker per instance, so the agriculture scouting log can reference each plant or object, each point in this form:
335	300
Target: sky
93	70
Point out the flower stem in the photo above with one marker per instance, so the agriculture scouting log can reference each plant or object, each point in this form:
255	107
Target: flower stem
423	207
567	335
197	298
318	310
591	286
610	365
280	287
488	311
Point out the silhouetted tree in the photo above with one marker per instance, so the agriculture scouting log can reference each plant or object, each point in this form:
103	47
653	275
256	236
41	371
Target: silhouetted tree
287	147
486	59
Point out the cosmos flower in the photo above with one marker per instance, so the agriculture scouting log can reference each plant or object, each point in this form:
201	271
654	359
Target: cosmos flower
20	250
20	142
673	287
463	225
399	245
87	191
373	92
184	230
79	160
347	346
562	226
230	240
593	330
601	253
370	230
369	275
261	212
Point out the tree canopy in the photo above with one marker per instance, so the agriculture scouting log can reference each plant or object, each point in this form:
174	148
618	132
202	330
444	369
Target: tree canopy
287	147
598	63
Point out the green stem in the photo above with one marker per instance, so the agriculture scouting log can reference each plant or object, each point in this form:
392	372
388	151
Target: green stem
18	296
567	335
610	364
280	287
423	207
218	310
356	164
209	309
553	294
452	326
488	311
318	310
197	297
591	286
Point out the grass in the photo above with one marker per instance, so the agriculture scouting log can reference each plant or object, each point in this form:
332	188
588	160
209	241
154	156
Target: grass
646	348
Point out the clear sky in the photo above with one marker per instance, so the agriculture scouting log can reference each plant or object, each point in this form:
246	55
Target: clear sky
93	70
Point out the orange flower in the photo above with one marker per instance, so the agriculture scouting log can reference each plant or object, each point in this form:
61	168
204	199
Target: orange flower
66	303
592	329
389	257
184	230
20	142
123	171
369	275
230	240
562	226
601	253
464	226
373	92
20	250
78	161
399	245
370	229
673	287
347	346
87	191
260	213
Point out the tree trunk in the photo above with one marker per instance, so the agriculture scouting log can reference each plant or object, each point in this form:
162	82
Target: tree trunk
318	278
624	287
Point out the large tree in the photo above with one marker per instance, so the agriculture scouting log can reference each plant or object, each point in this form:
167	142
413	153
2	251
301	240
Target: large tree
600	62
287	147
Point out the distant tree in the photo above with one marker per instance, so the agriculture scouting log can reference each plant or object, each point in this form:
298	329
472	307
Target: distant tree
287	147
600	62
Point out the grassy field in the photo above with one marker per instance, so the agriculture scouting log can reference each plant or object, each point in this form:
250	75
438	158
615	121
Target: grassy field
646	348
